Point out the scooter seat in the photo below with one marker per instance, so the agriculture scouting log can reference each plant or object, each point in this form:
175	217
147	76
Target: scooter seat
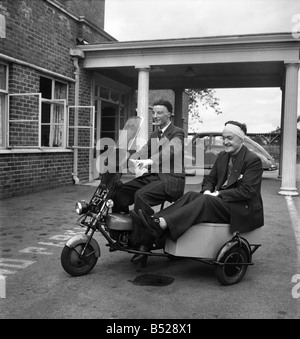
119	222
204	240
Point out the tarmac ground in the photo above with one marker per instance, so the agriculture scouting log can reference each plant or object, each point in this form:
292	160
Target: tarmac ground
35	227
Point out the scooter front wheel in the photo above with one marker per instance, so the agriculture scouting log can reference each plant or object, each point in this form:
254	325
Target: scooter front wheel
76	263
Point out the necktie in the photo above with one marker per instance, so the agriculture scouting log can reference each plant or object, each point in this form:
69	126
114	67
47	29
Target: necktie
229	170
160	134
230	167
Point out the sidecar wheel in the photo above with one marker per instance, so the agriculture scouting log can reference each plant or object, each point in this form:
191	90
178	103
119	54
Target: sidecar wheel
75	264
233	273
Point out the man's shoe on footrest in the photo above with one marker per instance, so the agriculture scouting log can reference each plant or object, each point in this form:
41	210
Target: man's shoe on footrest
152	224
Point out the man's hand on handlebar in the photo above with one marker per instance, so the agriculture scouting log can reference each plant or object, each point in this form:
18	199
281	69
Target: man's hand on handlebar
140	164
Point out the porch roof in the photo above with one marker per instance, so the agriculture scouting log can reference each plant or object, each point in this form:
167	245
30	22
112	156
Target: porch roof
237	61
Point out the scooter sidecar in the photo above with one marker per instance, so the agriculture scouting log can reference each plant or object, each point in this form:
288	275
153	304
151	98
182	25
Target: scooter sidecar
212	243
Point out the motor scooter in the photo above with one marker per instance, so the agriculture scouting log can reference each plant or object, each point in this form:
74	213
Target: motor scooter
205	242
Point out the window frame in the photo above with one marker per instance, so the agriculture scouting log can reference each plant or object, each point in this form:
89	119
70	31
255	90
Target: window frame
52	102
4	93
55	101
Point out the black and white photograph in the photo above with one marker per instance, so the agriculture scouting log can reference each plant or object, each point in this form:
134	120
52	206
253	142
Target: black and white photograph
149	162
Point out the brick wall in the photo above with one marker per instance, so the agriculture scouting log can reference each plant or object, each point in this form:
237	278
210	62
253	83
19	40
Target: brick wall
26	173
42	35
38	34
92	10
23	80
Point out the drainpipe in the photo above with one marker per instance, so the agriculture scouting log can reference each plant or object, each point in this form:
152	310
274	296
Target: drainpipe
76	55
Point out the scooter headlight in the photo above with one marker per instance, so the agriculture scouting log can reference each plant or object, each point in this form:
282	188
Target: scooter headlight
109	203
81	207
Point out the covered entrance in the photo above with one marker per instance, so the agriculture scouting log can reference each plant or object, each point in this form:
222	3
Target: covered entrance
264	60
106	126
110	99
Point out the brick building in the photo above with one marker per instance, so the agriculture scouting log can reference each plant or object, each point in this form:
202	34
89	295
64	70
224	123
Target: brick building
49	104
36	84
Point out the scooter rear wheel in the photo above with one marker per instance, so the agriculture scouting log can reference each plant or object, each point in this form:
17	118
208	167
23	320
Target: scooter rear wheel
76	264
234	271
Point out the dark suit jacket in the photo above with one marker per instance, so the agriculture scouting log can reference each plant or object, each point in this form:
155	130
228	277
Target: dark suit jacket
168	157
243	190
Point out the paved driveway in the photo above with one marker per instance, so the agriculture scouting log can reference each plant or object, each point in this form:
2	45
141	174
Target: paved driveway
35	227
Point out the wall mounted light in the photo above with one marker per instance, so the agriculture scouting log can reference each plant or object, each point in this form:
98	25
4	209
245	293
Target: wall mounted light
157	69
190	72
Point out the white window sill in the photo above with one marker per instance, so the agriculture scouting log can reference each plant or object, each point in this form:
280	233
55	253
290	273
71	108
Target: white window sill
35	150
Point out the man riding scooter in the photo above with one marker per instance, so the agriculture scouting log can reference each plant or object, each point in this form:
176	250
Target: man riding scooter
232	198
230	194
160	182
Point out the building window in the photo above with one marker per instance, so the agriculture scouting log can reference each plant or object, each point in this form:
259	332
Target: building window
108	94
104	93
53	115
115	96
112	96
34	120
3	101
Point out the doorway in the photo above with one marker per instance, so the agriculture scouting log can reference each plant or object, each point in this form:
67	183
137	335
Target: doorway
109	121
106	126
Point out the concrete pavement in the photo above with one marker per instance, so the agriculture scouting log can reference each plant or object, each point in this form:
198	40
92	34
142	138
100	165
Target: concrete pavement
34	228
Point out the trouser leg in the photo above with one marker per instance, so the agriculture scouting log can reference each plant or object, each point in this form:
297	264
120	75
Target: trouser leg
144	192
124	196
150	195
182	201
194	208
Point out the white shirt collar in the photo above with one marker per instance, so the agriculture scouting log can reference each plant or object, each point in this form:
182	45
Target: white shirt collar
163	129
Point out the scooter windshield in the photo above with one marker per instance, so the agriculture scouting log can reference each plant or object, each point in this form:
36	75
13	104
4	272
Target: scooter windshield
128	134
114	159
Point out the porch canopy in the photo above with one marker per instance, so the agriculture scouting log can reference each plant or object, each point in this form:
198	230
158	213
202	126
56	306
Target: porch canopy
241	61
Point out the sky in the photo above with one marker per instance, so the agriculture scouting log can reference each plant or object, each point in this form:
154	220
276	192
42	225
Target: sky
260	109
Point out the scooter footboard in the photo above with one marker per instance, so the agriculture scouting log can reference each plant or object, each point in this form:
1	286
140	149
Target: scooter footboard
204	240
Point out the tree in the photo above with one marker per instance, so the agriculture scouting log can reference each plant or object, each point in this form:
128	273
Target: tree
204	96
278	131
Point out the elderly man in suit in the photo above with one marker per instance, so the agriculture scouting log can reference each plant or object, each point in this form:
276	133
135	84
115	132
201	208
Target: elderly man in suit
162	159
231	193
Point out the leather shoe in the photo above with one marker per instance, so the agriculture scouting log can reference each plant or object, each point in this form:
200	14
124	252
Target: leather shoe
140	258
152	224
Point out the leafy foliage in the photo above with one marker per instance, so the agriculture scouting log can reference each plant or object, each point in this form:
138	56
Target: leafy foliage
205	97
